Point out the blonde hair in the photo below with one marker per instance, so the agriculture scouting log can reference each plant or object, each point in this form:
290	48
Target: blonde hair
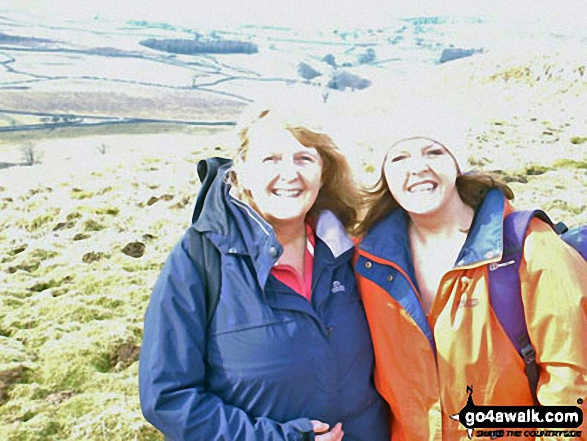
338	193
378	201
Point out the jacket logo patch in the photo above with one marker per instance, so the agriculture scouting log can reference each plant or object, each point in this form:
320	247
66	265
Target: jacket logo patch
337	287
468	302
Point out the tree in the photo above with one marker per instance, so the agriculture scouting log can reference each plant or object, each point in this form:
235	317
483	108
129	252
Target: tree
368	56
30	155
329	59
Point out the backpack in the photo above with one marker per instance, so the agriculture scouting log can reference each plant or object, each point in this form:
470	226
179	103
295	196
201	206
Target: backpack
202	252
504	283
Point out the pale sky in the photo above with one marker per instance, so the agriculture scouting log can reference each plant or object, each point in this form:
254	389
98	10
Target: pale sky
314	14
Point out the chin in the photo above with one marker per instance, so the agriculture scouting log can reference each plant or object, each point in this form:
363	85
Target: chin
428	204
284	216
422	209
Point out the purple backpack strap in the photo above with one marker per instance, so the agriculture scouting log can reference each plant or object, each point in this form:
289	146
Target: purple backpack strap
505	290
577	238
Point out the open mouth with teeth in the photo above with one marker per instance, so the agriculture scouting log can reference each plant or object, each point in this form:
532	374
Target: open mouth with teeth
289	193
424	186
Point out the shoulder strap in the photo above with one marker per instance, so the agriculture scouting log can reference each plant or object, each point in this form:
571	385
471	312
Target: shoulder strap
577	238
207	260
505	290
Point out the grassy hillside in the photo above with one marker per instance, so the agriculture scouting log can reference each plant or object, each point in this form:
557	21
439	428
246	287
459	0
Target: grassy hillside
83	237
84	233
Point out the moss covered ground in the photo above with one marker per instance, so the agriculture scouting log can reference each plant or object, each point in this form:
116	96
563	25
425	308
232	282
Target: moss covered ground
83	237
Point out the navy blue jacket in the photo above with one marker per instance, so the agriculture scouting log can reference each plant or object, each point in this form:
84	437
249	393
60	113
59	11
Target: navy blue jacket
269	361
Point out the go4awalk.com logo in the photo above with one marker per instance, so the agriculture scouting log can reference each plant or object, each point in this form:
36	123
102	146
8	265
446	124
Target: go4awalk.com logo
518	421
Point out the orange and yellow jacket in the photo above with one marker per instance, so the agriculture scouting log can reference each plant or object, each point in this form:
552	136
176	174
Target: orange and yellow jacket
424	363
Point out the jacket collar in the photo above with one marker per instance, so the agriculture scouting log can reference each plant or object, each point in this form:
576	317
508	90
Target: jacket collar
388	239
332	233
235	228
485	240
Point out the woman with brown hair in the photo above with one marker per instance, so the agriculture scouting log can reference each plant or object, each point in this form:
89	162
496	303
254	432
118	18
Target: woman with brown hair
287	354
431	234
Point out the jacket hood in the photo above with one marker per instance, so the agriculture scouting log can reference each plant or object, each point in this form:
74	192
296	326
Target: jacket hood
388	239
236	228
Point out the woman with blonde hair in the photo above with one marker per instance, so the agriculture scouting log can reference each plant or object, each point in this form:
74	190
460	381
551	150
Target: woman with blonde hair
431	235
287	354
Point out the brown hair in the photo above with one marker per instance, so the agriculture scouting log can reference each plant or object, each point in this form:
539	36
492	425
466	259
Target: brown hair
338	193
378	201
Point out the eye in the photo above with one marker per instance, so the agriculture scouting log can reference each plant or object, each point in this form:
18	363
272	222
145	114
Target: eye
305	158
436	151
270	159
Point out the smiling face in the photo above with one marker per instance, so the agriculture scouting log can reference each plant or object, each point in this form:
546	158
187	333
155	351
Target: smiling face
282	176
421	175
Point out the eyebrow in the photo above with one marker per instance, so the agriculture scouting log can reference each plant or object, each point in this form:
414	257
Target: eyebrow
428	146
306	151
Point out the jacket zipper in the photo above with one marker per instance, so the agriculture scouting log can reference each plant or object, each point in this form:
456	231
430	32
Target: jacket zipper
252	214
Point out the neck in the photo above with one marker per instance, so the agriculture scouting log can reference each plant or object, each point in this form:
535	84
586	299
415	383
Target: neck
453	219
288	232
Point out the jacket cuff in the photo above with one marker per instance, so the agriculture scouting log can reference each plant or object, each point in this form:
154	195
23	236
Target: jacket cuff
303	428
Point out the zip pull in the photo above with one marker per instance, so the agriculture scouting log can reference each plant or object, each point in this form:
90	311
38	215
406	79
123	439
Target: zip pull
494	266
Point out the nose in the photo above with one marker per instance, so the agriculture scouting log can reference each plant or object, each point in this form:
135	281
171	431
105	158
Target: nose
288	170
418	164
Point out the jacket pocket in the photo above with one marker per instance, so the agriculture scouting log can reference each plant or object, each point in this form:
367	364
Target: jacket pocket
269	367
275	349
